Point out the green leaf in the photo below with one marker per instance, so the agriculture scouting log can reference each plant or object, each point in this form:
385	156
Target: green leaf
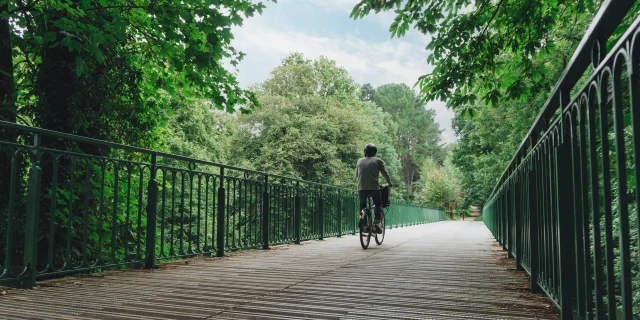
73	45
80	66
96	52
236	19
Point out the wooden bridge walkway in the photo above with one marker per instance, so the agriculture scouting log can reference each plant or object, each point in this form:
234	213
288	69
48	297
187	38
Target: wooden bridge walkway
445	270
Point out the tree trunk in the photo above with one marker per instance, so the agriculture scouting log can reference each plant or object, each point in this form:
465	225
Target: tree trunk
7	98
55	89
409	181
56	86
7	104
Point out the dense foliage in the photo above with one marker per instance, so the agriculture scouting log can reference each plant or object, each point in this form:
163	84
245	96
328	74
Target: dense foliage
469	40
314	120
75	61
114	70
442	184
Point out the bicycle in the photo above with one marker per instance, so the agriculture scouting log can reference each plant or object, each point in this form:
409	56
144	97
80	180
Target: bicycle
367	229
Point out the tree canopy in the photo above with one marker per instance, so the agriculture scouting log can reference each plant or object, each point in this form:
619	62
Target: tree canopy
311	123
75	60
114	70
469	40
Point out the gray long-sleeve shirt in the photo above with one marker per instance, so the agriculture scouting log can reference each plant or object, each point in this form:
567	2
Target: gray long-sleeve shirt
367	171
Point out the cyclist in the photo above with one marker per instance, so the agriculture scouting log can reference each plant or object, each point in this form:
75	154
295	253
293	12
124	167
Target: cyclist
367	171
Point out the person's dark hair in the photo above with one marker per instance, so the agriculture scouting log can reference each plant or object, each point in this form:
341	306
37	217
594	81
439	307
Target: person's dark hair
370	150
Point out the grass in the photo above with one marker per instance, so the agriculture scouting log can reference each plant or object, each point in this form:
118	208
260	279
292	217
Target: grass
478	218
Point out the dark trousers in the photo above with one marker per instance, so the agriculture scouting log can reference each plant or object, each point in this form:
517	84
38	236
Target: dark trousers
377	201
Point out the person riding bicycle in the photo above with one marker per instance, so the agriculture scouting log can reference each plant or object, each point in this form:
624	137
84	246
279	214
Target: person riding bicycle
367	171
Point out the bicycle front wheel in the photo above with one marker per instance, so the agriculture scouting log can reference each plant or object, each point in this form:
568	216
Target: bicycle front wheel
380	236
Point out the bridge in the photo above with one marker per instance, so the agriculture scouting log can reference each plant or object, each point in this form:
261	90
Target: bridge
129	233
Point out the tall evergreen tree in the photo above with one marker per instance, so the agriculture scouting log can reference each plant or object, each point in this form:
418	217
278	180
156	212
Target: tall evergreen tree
418	133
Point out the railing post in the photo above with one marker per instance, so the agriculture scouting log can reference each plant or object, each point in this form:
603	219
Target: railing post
501	219
405	219
504	213
518	222
33	210
533	231
339	215
321	214
354	214
152	212
265	214
388	220
298	214
566	230
220	217
496	215
510	214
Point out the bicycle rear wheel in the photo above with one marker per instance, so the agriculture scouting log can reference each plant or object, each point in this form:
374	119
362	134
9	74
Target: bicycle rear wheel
365	232
380	236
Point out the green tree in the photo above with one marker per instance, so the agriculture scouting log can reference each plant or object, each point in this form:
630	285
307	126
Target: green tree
197	131
383	131
298	76
441	184
367	92
488	140
469	38
7	96
311	124
78	61
418	134
311	137
113	69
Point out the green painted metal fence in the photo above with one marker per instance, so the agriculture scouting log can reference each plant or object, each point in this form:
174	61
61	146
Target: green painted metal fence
567	206
74	204
402	213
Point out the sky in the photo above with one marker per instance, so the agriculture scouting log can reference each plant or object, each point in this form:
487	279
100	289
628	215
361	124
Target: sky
323	28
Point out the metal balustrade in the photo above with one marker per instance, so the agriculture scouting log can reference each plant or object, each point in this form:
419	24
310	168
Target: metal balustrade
76	204
566	207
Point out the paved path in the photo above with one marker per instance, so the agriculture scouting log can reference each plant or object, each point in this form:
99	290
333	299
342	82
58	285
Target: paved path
445	270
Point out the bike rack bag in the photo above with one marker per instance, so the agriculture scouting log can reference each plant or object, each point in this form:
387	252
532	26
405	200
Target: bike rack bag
385	195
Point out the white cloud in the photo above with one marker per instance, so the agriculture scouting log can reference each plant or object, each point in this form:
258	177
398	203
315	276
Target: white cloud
380	62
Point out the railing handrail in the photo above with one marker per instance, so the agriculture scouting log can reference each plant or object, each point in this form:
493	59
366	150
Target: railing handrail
604	24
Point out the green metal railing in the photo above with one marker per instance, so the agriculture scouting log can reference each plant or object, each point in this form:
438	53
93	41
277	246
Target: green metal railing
74	204
567	206
402	213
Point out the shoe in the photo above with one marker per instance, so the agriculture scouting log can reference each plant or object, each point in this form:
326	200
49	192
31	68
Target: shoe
376	227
